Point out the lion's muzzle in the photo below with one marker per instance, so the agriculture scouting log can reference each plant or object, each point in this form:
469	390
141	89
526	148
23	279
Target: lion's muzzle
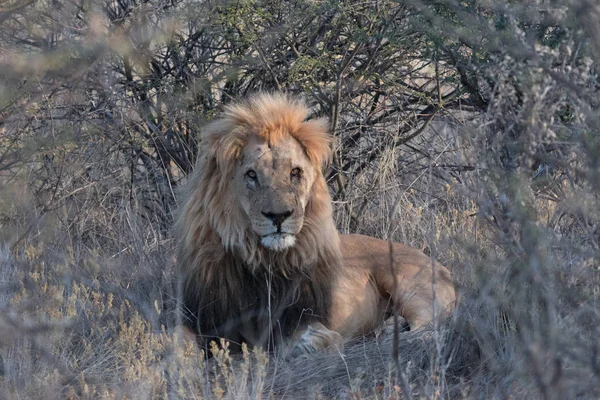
276	228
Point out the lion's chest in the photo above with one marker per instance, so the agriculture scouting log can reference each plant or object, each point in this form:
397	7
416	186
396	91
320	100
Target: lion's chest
267	309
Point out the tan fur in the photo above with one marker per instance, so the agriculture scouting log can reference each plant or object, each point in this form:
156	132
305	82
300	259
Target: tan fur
367	296
259	255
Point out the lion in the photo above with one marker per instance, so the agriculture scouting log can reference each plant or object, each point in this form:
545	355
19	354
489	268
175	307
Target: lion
259	255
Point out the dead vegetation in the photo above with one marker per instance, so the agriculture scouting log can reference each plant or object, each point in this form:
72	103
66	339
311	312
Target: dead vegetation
468	129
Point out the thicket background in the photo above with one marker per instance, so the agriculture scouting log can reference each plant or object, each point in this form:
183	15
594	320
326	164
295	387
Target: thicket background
469	129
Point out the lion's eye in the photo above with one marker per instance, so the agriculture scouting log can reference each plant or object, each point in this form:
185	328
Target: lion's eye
296	173
251	174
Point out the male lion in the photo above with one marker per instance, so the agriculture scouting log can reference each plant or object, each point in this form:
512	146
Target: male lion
260	258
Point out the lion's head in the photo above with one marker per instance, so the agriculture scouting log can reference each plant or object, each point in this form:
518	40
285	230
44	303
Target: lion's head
259	184
273	182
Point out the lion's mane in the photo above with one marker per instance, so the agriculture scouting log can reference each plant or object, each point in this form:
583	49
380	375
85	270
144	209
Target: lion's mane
232	286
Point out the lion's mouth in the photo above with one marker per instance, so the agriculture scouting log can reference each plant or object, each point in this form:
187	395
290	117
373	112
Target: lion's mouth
278	241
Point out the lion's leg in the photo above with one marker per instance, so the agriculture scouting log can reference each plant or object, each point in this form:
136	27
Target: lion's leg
419	301
316	337
417	310
424	304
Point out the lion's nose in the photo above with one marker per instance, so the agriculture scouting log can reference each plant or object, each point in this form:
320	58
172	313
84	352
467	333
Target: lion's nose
277	218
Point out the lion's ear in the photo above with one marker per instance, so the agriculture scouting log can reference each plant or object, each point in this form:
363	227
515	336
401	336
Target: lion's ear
225	144
313	135
228	150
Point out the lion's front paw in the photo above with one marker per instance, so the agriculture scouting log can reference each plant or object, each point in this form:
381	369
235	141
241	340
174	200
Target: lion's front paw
316	337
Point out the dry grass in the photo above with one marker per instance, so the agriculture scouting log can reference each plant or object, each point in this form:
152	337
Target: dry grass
93	315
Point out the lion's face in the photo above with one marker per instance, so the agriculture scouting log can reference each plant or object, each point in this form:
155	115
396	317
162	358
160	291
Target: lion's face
273	184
